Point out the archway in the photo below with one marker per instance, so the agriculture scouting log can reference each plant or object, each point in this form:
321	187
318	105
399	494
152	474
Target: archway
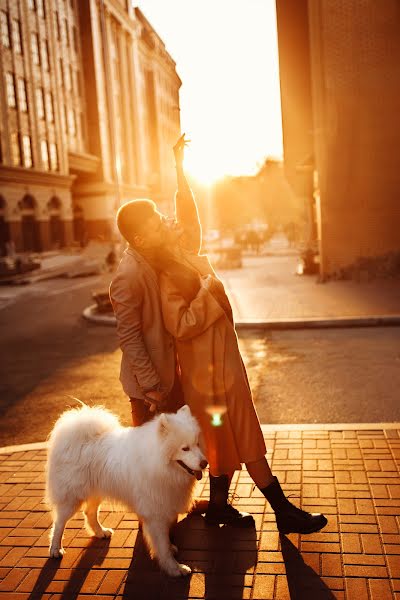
56	228
29	224
4	228
80	234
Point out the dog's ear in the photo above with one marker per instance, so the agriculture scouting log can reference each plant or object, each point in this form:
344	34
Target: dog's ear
163	424
185	410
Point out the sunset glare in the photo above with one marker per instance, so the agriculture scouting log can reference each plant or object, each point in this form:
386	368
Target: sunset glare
227	58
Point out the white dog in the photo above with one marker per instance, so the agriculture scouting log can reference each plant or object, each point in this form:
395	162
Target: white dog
150	469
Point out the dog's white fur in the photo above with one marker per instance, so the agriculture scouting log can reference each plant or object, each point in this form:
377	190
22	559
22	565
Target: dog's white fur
92	457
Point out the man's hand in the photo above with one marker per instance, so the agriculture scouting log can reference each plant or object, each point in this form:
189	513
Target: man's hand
179	150
155	400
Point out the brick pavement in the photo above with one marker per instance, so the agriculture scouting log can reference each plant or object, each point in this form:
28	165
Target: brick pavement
349	472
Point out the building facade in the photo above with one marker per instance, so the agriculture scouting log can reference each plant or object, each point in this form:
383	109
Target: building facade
89	106
340	80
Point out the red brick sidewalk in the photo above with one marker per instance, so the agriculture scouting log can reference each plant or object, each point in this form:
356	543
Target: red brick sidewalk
352	474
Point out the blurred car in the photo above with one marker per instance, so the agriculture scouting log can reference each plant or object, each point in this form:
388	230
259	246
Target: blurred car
17	265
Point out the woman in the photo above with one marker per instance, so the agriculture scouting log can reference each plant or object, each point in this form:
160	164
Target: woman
198	314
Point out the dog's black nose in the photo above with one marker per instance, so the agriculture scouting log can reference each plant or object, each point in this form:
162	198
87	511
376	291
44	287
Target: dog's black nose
203	464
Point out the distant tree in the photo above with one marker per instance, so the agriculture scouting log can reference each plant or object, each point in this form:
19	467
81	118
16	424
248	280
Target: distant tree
265	197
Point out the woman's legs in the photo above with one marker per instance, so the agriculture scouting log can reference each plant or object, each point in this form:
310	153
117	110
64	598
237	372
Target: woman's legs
289	518
219	511
260	472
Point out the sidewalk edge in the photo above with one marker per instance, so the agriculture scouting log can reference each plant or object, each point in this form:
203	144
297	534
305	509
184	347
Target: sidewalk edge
90	314
266	427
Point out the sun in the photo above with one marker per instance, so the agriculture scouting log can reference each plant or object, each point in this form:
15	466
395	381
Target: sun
203	165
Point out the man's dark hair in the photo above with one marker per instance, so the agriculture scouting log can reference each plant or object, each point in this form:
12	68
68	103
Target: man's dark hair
132	215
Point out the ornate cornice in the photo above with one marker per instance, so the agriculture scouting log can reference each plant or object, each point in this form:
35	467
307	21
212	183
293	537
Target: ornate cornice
24	176
100	188
84	163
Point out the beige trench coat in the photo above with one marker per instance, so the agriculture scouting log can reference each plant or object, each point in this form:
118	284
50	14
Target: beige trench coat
148	350
212	372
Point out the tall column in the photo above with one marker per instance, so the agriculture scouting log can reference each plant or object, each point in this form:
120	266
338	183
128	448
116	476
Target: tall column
127	117
139	133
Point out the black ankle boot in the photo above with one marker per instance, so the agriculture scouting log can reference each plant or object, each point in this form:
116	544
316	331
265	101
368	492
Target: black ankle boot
289	518
219	512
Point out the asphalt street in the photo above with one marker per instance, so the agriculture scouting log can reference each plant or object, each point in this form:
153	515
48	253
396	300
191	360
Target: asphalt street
50	354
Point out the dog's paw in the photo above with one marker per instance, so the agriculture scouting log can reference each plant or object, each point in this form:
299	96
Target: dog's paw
174	549
56	552
105	533
175	569
184	570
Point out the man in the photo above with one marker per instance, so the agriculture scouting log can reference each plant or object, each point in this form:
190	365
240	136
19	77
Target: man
148	367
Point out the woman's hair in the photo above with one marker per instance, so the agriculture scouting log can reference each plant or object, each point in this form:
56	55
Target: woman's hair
132	216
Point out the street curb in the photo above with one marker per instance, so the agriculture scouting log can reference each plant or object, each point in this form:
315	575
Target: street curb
90	314
24	447
266	428
321	323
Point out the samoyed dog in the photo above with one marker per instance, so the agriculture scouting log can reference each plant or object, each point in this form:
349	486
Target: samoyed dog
150	469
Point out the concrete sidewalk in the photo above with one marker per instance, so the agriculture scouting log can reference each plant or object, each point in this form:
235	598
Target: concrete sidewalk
267	293
350	472
267	289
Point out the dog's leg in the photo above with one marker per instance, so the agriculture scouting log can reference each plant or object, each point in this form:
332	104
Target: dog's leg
92	519
63	514
156	533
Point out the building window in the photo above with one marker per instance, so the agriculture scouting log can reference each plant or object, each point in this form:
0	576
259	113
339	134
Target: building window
27	150
15	149
58	30
35	49
65	112
39	103
53	157
22	101
45	155
45	55
77	84
68	82
71	122
61	68
10	85
66	36
16	33
5	30
82	125
40	8
49	107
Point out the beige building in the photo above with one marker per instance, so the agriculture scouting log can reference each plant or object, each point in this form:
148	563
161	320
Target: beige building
89	110
340	83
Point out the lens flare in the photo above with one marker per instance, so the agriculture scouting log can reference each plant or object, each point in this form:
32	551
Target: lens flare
216	413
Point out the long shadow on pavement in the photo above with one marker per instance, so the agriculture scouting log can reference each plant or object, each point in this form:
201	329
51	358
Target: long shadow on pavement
94	554
303	582
219	557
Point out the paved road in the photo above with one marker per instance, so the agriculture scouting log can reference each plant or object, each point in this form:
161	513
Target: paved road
50	353
326	375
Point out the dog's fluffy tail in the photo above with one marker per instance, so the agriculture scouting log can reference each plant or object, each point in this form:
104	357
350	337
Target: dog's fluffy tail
81	425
